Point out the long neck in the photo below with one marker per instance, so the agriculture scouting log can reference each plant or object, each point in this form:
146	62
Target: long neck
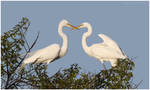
85	35
64	47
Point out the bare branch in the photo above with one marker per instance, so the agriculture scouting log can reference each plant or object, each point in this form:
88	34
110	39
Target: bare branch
138	84
28	51
6	86
25	40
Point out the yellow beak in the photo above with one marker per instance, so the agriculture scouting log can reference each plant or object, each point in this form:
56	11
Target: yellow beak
73	27
78	27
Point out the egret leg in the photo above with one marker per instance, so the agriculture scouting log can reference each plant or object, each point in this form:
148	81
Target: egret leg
104	66
47	62
46	65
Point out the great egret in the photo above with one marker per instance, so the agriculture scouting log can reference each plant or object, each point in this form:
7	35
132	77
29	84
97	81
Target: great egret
108	50
51	52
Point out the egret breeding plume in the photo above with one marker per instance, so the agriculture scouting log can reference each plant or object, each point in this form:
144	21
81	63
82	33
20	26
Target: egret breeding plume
108	50
51	52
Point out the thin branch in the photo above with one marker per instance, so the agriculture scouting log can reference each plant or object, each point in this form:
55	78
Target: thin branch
138	84
25	48
30	84
15	82
26	41
22	36
22	60
27	52
8	75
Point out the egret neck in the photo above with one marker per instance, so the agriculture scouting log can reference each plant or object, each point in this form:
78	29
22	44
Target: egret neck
64	48
85	35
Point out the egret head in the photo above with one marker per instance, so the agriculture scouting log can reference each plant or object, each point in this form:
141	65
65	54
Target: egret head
66	23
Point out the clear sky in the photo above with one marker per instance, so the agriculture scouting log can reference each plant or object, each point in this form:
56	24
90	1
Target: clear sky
124	22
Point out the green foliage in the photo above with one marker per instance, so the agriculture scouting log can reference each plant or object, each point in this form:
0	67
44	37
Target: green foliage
66	78
71	78
12	43
116	77
36	76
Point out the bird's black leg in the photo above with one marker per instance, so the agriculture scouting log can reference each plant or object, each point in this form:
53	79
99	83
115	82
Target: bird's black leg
104	66
46	65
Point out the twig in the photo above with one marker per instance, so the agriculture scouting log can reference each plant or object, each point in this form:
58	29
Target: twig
27	52
21	61
30	84
132	58
24	40
138	84
8	74
15	82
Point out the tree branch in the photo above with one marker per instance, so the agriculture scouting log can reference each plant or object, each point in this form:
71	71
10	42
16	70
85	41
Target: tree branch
138	84
6	86
27	52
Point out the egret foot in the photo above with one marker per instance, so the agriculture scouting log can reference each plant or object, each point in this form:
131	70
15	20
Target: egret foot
104	66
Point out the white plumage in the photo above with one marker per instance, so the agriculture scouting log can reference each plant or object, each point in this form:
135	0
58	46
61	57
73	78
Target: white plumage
108	50
51	52
44	55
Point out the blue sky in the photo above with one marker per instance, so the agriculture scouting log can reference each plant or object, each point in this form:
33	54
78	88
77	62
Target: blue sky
124	22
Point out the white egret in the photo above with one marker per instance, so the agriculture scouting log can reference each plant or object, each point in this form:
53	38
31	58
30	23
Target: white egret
51	52
108	50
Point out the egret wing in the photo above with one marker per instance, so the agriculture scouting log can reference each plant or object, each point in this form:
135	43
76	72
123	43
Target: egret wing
111	43
49	52
107	40
105	52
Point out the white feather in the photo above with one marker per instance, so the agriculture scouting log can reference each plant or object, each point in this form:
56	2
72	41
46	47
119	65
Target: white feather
51	52
108	50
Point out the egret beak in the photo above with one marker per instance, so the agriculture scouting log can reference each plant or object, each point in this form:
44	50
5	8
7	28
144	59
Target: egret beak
73	27
78	27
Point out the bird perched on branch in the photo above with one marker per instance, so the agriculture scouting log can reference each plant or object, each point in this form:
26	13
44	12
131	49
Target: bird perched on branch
108	50
51	52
